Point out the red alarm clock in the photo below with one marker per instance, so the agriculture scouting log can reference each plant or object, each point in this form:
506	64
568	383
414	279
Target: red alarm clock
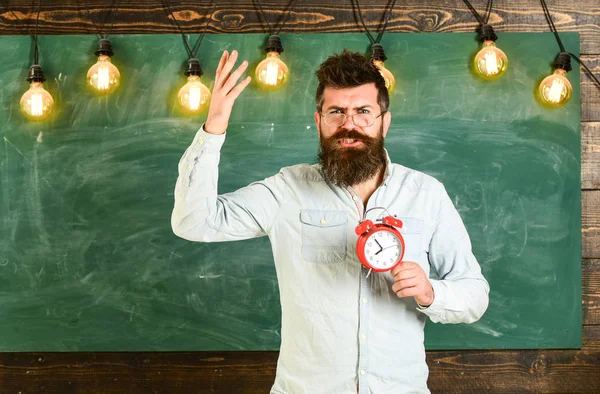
380	246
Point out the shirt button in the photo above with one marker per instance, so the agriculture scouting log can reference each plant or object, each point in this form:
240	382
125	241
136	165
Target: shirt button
323	221
189	166
364	300
355	198
200	141
362	372
363	337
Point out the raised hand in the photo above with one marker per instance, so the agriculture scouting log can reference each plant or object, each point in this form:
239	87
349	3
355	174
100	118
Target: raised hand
225	91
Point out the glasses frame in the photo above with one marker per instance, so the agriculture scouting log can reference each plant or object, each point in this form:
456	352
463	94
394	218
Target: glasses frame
324	116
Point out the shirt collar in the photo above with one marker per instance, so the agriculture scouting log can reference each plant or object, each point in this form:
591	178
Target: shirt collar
388	166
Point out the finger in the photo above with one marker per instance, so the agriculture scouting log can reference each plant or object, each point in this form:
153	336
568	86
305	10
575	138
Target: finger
405	274
408	292
228	66
405	284
403	266
233	78
222	61
235	92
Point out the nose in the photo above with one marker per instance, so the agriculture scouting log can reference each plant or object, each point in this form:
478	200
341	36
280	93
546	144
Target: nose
349	123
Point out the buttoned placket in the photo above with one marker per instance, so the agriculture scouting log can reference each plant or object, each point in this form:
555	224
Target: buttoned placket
363	314
365	299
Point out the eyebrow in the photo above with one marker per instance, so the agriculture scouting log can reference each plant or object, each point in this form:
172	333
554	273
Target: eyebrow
344	108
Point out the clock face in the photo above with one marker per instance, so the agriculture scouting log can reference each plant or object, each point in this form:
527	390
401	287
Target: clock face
383	250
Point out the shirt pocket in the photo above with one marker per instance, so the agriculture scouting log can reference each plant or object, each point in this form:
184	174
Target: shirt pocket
412	232
324	236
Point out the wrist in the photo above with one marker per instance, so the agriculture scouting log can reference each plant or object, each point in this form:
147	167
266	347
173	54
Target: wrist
427	300
212	128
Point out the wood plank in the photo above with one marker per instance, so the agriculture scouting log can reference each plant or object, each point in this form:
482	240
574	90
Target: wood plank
590	90
590	220
524	371
590	155
590	286
233	16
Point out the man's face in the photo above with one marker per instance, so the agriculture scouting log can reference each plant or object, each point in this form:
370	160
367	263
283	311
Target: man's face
351	153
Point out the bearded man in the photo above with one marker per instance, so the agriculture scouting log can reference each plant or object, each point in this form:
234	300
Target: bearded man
344	329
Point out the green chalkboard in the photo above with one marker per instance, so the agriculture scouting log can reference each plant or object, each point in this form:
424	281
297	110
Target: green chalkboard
87	257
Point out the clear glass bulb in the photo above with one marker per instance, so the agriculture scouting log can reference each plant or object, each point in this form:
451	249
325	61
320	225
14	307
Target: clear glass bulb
390	81
104	76
490	62
555	90
194	96
272	73
37	103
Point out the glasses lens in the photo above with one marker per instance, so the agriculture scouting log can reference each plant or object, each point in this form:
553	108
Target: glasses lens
364	120
360	120
335	119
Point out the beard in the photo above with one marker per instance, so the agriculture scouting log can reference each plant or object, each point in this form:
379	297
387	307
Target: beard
348	166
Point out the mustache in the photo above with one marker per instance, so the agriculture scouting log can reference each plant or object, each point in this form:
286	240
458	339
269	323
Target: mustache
346	133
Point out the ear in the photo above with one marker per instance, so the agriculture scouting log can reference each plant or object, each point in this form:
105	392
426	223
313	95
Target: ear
318	123
387	120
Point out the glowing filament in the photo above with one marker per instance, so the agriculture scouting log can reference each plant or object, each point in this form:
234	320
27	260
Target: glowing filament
36	102
556	91
195	98
103	78
272	74
491	63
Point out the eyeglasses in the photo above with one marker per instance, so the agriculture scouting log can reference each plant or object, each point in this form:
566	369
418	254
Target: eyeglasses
361	119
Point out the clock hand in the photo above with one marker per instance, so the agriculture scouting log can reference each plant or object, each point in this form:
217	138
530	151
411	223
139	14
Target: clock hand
387	247
380	247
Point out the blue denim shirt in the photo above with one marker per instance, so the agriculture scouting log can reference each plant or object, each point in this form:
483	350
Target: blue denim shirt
342	331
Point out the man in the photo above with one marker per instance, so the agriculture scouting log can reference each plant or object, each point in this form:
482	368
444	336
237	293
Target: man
344	329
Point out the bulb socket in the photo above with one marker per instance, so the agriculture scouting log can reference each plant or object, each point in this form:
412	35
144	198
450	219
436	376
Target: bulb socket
194	67
36	74
563	60
274	44
486	33
377	52
104	48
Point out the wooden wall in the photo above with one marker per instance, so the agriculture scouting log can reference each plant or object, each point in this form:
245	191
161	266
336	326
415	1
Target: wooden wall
507	371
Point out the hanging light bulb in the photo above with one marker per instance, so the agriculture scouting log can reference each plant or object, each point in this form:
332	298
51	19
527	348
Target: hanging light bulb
194	96
555	90
490	62
104	77
36	103
378	57
272	73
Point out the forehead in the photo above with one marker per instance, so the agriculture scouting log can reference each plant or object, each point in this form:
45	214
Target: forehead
350	97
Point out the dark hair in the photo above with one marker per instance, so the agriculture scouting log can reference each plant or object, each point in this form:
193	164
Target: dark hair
348	70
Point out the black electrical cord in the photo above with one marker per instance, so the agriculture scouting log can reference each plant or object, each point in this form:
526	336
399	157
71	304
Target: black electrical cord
191	52
264	16
552	27
477	15
103	36
36	52
586	68
560	44
387	18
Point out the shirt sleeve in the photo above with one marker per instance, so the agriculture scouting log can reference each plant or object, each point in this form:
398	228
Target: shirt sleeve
200	214
461	293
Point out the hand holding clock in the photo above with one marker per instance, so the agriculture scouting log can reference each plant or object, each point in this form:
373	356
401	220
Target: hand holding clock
411	281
